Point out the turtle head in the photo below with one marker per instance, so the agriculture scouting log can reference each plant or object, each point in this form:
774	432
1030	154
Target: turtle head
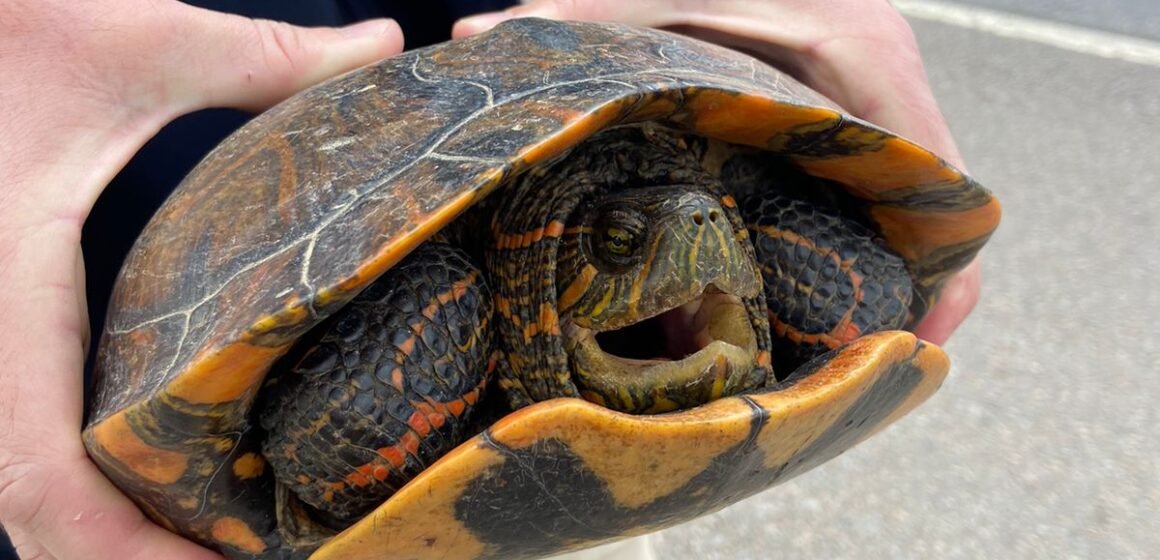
656	292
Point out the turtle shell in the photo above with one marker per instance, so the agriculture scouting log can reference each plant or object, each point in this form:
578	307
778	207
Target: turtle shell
294	214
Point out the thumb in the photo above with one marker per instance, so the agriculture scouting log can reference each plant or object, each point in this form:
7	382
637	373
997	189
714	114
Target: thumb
959	296
642	12
224	60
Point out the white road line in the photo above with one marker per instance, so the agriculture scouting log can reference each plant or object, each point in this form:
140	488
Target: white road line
1060	35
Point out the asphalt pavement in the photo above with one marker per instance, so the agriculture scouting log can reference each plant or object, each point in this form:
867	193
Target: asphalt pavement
1042	443
1131	17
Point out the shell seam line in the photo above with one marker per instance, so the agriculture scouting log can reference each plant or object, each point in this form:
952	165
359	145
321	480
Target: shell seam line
672	74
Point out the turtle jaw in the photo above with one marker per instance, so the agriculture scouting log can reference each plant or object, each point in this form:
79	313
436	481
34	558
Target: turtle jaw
701	350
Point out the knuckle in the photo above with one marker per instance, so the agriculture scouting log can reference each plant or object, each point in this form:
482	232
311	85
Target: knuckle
281	44
897	28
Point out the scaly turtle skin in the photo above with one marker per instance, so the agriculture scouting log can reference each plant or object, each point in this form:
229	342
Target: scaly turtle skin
304	208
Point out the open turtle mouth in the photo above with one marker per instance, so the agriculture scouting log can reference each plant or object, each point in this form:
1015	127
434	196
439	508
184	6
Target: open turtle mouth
695	352
681	331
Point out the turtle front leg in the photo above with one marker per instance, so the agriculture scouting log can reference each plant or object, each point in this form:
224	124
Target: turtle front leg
828	279
391	386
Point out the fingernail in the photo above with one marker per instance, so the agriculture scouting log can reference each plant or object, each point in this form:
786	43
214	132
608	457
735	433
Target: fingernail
373	28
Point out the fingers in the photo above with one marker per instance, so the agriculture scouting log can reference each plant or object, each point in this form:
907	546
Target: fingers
877	74
599	10
861	54
72	512
227	60
959	296
95	80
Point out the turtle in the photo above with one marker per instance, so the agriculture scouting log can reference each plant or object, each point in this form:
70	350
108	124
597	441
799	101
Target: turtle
522	293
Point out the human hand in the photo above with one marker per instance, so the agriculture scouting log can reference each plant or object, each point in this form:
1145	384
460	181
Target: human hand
860	53
85	85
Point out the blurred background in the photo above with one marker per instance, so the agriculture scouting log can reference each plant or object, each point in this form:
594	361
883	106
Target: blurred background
1043	441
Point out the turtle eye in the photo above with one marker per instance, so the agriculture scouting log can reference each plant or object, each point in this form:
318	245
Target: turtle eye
617	236
617	241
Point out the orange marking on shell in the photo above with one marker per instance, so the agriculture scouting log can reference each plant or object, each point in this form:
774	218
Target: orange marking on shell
226	374
722	114
893	164
914	234
288	186
402	244
576	289
249	465
142	337
572	133
117	438
236	533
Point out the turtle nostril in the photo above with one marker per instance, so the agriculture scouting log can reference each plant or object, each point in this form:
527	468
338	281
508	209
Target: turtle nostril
699	218
713	215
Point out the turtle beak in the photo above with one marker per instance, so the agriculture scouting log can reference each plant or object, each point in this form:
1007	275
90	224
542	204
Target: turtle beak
698	351
681	331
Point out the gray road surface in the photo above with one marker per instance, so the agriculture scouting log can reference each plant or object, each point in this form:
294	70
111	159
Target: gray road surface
1043	443
1130	17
